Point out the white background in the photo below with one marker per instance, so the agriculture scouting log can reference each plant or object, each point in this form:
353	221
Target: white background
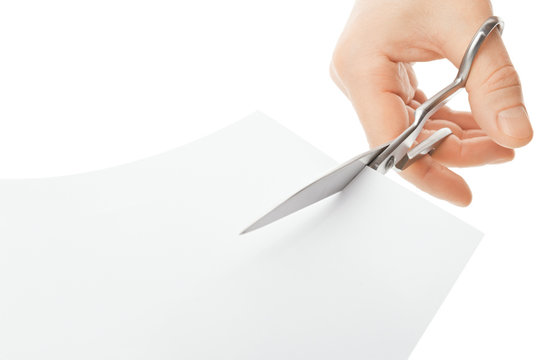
86	85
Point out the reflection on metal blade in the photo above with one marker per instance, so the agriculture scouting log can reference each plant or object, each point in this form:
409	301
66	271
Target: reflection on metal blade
331	183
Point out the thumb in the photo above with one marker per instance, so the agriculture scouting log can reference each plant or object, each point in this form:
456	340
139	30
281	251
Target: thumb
495	93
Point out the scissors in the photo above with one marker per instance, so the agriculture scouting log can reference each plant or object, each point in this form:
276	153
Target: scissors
397	153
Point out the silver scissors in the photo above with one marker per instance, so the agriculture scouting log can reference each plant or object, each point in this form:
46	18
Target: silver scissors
395	154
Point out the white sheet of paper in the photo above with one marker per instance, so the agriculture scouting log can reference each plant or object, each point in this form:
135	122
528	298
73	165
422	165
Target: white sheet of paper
143	261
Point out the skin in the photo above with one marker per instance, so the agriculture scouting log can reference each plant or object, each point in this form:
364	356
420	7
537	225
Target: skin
372	65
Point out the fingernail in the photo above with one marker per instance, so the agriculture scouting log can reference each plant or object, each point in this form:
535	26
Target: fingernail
514	122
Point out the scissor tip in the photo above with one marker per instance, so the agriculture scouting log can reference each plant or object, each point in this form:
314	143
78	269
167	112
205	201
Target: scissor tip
251	227
246	230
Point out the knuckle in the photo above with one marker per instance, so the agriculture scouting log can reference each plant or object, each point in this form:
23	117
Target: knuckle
461	151
340	62
503	77
426	173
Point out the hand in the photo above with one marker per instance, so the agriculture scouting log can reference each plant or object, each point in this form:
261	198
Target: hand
372	65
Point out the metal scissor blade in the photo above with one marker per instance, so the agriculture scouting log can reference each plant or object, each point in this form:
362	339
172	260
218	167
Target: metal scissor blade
329	184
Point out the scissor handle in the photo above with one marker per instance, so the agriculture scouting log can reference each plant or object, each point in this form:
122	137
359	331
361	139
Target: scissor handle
399	147
433	104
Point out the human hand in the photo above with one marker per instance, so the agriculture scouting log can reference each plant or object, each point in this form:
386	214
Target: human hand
372	65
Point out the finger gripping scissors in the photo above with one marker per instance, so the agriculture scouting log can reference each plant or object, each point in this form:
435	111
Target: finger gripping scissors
398	153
